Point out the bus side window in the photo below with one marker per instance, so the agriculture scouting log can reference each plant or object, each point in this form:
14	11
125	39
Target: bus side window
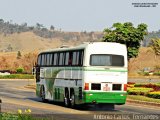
77	58
66	59
50	59
55	59
45	59
74	57
70	59
61	59
39	60
42	63
81	58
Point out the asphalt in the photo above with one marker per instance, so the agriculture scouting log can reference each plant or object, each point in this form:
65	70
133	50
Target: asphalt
14	96
144	80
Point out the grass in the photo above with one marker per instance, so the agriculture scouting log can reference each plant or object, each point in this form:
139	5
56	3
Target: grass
11	116
26	115
17	76
143	98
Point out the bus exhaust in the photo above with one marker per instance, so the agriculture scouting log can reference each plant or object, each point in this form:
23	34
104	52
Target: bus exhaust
94	102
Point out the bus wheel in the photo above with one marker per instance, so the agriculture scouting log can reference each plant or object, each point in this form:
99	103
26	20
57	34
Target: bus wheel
66	99
72	100
43	94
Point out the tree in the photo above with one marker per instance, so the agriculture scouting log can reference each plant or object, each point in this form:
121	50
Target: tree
19	55
52	28
9	48
39	26
1	21
20	70
126	34
156	46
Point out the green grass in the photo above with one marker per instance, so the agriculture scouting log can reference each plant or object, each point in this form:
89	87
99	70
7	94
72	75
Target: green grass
17	76
11	116
143	98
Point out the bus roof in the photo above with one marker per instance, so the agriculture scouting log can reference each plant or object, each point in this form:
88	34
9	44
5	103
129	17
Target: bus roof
82	46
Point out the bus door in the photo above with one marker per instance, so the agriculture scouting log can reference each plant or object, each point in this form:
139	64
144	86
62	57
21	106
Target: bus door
36	72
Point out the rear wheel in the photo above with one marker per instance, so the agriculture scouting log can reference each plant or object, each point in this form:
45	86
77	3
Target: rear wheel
66	99
43	94
72	100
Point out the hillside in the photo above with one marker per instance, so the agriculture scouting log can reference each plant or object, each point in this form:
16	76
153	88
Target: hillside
15	37
28	41
145	59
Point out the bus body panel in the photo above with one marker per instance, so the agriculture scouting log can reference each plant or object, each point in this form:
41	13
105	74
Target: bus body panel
56	78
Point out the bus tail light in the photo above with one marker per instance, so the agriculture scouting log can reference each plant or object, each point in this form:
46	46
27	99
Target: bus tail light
86	87
125	87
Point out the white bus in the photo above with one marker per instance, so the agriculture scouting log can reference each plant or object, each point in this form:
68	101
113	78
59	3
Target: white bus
93	72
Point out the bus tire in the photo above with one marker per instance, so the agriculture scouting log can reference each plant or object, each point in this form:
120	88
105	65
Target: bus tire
66	99
43	94
72	100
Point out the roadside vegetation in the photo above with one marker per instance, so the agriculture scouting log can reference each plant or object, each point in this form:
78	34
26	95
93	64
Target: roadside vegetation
20	115
126	33
144	91
17	76
143	98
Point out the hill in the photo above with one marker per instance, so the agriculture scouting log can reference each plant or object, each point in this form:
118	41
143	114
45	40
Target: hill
145	59
28	41
14	37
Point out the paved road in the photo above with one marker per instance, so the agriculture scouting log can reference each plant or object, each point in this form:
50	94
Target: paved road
144	80
14	96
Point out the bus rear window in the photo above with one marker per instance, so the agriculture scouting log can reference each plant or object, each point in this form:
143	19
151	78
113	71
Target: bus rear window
106	60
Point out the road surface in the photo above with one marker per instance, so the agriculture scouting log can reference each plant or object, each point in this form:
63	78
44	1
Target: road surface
144	80
14	96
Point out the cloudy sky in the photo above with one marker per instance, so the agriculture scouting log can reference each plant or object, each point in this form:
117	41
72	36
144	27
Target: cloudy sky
80	15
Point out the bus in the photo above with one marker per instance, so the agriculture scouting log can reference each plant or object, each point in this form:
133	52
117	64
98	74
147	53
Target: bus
93	72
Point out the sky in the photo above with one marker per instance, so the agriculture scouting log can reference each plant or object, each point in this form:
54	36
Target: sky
80	15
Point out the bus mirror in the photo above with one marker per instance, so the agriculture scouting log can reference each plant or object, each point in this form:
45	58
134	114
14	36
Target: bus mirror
35	64
33	70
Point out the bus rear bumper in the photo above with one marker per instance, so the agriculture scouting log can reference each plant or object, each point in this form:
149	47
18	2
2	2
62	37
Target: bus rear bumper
104	97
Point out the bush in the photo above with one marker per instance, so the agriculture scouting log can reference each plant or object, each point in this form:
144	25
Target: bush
143	73
156	73
139	85
146	73
139	91
156	87
17	76
20	70
154	94
130	85
130	82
